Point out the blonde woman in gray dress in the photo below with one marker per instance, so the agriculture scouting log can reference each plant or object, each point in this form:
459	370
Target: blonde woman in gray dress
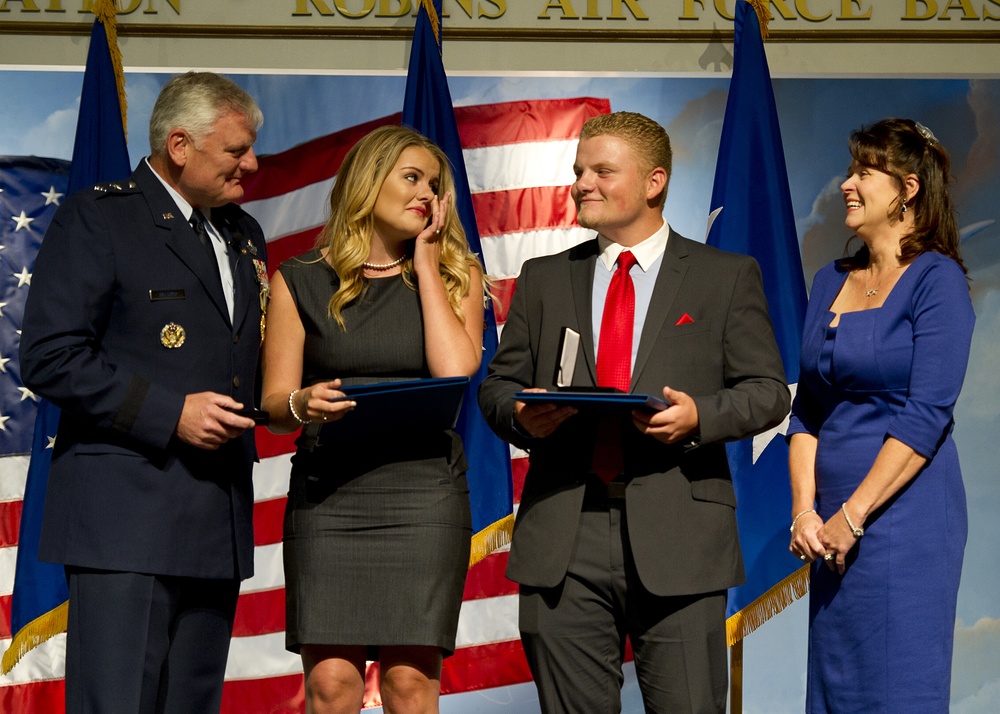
377	526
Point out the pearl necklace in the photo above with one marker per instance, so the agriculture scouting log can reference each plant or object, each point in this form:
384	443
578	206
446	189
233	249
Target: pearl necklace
384	266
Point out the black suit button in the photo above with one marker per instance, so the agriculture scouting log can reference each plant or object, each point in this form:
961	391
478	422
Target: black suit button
236	381
236	337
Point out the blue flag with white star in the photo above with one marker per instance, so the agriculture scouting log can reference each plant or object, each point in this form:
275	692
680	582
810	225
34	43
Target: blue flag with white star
427	107
752	214
40	596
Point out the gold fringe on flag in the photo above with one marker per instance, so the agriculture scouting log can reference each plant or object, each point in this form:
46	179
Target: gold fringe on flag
777	598
33	634
105	12
763	15
494	536
432	15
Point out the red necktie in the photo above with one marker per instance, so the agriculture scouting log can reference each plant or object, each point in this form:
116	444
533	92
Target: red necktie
614	349
614	362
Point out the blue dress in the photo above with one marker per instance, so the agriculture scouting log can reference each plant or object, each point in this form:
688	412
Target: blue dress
881	635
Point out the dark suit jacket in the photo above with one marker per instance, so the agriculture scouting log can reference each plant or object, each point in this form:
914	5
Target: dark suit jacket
119	263
680	502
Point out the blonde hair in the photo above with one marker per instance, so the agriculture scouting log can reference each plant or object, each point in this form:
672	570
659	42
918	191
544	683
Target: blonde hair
649	141
346	237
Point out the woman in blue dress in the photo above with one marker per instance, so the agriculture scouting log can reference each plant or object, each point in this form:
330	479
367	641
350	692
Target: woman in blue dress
878	502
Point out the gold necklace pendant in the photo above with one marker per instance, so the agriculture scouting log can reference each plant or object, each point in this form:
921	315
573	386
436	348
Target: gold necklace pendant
872	292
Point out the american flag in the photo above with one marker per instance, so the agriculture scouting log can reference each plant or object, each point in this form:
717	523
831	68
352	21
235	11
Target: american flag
30	191
519	156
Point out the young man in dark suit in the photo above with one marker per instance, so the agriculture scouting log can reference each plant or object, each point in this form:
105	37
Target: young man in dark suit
145	330
627	525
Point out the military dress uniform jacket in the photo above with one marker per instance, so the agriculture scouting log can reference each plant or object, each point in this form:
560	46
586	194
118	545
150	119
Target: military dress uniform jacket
126	316
707	333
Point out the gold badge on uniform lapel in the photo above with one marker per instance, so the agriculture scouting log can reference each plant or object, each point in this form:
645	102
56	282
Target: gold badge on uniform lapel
172	336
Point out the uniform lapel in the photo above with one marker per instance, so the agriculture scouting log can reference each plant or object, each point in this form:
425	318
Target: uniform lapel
180	237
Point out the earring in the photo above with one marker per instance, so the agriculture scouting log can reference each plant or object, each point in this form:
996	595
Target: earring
904	207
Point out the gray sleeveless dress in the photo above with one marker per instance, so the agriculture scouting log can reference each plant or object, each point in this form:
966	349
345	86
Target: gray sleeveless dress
377	529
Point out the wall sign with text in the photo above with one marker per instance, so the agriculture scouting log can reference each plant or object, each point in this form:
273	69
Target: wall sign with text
542	20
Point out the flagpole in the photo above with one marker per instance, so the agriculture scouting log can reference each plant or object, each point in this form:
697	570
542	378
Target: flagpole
39	602
736	678
759	221
428	108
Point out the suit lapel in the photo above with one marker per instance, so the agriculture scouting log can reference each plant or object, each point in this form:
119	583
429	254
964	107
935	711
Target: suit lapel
583	261
668	283
179	237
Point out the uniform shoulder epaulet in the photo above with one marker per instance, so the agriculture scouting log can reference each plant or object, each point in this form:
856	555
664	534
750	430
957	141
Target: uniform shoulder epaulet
113	187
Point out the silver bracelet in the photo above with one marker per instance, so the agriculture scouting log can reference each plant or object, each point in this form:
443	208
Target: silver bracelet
291	408
798	516
858	532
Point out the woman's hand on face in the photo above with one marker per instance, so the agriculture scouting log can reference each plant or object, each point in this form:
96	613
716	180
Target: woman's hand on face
317	402
428	244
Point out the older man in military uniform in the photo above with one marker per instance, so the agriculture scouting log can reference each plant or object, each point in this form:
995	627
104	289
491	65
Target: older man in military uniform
144	325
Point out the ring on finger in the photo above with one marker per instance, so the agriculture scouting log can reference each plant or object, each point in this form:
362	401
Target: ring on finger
828	556
802	557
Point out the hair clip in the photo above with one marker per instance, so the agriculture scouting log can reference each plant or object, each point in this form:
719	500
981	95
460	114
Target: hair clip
926	133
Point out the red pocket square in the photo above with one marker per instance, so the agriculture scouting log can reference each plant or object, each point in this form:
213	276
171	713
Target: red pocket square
685	320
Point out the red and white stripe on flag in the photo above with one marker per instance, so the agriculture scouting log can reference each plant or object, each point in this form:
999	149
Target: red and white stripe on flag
519	158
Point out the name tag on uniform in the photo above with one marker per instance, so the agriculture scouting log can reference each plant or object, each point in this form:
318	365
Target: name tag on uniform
156	295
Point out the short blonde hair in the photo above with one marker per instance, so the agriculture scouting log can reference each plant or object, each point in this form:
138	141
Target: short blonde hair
648	140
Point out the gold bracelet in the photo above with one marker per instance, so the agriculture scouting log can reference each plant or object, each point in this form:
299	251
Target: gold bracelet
858	532
798	516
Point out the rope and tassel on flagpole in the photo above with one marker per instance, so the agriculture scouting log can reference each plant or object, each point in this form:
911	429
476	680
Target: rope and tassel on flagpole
435	21
106	13
763	15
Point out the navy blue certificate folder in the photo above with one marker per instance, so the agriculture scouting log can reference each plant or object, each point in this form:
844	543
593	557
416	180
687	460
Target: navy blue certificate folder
420	404
599	401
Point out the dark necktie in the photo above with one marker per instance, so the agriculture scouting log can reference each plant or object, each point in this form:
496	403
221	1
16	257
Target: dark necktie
197	221
198	224
614	363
